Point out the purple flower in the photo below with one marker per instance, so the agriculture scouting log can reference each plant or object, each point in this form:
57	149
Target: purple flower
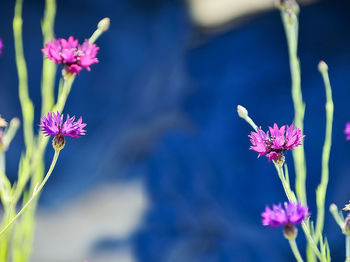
71	54
1	46
291	214
52	124
347	131
274	144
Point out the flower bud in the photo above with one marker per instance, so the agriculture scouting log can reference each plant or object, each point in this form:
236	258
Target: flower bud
346	228
290	231
104	24
322	66
58	142
242	111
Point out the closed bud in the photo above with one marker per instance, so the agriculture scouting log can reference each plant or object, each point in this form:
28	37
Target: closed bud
322	66
242	111
58	142
104	24
290	231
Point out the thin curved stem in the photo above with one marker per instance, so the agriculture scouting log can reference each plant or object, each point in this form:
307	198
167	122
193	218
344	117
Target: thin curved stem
291	197
347	245
36	192
294	247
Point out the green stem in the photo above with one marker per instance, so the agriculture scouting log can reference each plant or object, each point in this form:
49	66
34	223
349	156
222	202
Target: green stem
347	245
291	197
290	23
49	68
2	162
64	92
311	241
286	186
295	250
26	103
337	216
322	188
35	193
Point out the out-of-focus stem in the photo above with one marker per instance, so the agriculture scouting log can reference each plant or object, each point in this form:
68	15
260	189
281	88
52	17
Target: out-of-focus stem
347	244
291	197
322	188
36	192
26	103
49	68
290	23
295	250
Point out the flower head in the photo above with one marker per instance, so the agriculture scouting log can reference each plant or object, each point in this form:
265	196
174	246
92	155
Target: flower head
52	124
291	213
275	141
347	131
71	54
1	46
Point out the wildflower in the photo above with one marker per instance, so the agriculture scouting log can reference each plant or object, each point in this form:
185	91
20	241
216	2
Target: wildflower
52	124
347	207
71	54
347	131
292	214
1	46
274	144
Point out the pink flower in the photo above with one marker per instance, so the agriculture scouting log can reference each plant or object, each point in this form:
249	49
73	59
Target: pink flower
1	46
71	54
347	131
274	144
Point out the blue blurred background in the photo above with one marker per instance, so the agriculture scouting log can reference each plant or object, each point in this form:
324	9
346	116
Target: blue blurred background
164	172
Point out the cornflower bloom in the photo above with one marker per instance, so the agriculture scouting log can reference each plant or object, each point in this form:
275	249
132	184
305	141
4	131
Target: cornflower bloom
347	131
71	54
274	144
1	46
52	124
288	216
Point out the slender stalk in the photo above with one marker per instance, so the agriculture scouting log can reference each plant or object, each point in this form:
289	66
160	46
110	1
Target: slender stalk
347	246
36	192
322	188
290	23
295	250
286	186
337	216
49	68
64	92
26	103
291	197
2	162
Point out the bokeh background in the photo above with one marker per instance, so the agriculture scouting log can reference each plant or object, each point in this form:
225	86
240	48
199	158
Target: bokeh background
164	172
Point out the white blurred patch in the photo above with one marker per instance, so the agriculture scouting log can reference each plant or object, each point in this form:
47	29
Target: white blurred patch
212	13
109	211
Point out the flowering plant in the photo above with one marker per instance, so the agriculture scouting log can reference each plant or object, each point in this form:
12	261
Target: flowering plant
276	141
17	227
